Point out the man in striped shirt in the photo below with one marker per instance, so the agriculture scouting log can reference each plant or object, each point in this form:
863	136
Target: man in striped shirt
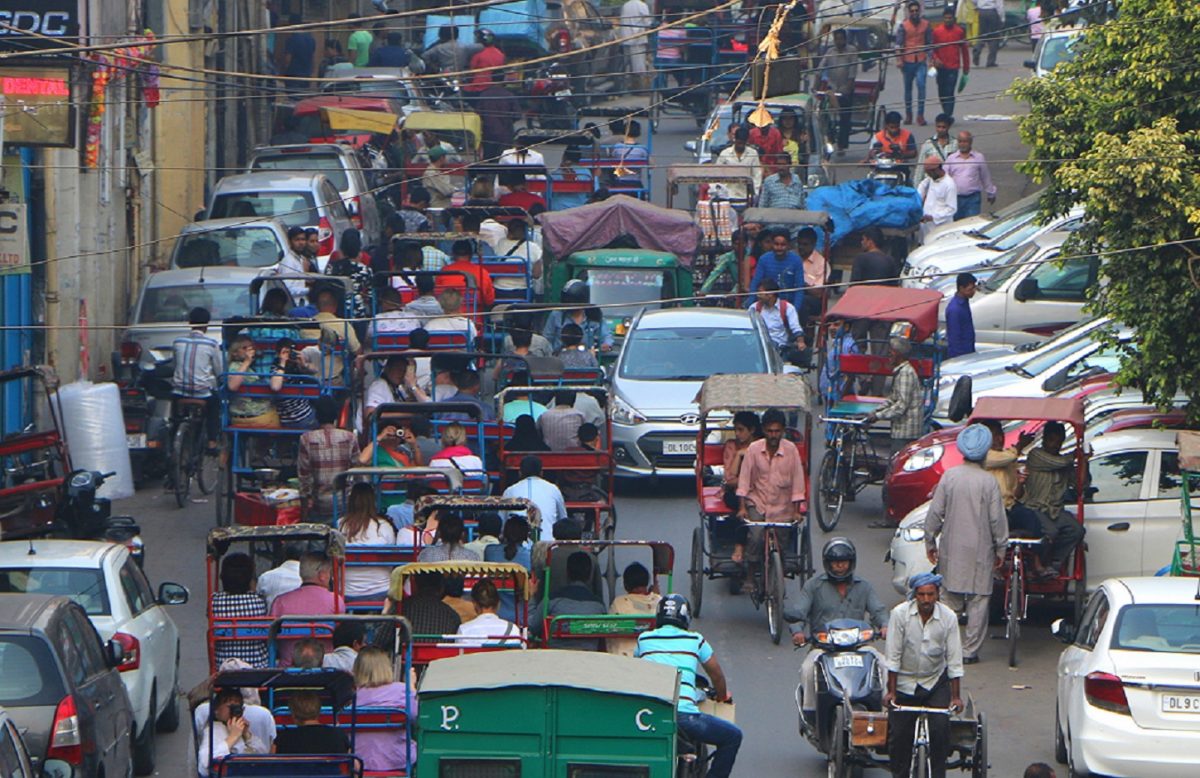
198	365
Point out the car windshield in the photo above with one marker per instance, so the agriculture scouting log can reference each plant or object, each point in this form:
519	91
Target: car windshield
172	303
241	246
295	209
1044	359
329	164
28	676
612	287
82	584
1006	224
1008	264
1057	50
1161	628
691	353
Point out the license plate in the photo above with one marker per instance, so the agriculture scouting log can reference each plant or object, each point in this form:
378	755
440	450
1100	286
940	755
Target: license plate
679	447
847	660
135	441
1181	703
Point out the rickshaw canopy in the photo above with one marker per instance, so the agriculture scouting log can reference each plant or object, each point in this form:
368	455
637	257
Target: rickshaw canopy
817	219
598	224
434	502
1189	450
754	392
662	553
585	670
452	475
447	121
918	307
220	538
1068	410
460	569
349	119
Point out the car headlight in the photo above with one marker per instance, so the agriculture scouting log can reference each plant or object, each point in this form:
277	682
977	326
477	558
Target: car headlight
624	413
913	534
923	459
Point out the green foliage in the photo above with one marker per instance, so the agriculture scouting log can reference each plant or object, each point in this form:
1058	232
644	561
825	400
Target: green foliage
1118	131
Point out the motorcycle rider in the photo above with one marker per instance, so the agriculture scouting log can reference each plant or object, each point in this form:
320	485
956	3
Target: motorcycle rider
670	643
893	141
835	594
487	57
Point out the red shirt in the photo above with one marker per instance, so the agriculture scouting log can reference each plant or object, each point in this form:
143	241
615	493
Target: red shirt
489	57
768	140
524	200
483	281
950	48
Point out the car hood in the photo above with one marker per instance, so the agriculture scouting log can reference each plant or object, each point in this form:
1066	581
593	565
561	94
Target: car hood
980	363
659	398
915	517
933	253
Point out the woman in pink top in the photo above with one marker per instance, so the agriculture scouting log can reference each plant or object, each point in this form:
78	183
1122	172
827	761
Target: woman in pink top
378	688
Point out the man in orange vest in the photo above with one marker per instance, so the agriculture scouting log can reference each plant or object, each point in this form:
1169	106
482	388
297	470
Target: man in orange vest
893	141
914	36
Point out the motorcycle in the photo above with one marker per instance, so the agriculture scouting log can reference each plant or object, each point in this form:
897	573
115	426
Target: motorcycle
552	99
146	408
848	679
81	515
887	169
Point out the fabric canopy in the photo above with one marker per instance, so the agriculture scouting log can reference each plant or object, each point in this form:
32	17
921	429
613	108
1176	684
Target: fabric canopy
1068	410
595	226
753	392
918	307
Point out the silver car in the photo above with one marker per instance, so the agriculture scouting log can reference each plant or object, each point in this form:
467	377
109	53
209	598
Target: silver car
259	244
667	355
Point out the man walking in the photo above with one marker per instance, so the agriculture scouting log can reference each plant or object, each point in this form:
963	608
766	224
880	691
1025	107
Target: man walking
941	145
925	668
905	405
298	54
913	39
991	20
358	46
968	513
960	328
950	58
839	68
636	19
971	176
939	198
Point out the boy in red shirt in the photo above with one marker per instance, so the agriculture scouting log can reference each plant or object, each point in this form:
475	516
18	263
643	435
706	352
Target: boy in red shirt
950	55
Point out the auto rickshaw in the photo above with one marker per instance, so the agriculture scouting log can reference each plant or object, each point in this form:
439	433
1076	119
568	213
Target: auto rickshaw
788	555
35	462
1186	560
461	129
519	713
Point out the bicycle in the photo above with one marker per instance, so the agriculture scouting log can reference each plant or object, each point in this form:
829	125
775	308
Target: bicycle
850	464
189	456
921	765
1015	596
769	584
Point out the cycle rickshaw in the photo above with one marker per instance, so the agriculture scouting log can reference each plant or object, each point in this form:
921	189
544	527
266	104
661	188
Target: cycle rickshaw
872	36
713	540
851	462
1186	560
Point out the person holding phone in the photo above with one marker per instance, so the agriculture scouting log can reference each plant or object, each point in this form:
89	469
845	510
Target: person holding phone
295	413
227	732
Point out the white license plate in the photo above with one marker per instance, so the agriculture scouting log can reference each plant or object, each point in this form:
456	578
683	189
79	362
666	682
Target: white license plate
847	660
679	447
1181	703
135	441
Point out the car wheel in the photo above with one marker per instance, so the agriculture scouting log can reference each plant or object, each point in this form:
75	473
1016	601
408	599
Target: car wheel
1060	742
1073	770
145	748
168	720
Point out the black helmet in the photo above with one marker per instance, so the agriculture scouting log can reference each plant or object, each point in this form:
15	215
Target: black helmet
839	550
485	36
674	609
575	291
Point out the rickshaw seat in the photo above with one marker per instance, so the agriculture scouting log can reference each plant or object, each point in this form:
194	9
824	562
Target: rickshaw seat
601	626
712	500
309	390
289	766
401	341
713	454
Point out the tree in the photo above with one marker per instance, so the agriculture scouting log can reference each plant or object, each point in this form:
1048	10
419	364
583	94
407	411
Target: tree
1117	130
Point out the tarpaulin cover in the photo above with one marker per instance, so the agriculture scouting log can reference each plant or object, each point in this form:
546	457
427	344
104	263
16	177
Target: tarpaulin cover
595	226
856	205
918	307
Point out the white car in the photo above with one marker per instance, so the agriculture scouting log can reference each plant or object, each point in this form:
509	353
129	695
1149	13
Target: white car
1055	47
111	588
1131	513
1127	701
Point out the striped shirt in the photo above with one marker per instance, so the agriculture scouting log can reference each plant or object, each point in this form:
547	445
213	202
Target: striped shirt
433	259
198	363
905	406
776	194
685	651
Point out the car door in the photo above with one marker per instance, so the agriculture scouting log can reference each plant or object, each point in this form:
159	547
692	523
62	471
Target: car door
95	726
14	760
153	628
1049	298
1075	662
1164	525
1114	514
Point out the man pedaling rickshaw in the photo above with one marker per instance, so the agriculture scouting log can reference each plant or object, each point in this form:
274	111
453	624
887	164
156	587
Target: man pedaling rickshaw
771	487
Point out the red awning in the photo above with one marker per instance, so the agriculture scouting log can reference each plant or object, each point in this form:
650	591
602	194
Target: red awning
918	307
1068	410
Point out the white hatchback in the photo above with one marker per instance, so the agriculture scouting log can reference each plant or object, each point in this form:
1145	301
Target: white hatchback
113	590
1127	701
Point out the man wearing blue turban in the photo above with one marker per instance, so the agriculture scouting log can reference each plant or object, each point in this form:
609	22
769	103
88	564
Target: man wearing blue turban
967	511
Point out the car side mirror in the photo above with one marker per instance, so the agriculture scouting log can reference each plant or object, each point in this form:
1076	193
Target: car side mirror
1027	290
689	145
1063	630
114	653
57	768
172	594
1031	64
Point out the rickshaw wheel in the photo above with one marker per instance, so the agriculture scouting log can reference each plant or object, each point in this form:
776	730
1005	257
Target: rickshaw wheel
979	758
224	496
697	570
1016	592
838	765
829	493
806	559
1081	594
774	596
181	456
208	473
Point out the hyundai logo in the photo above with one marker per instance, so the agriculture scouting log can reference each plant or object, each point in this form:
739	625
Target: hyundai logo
689	419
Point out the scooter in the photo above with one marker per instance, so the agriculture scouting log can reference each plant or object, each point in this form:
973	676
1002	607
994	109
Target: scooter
551	98
848	678
146	408
81	515
886	169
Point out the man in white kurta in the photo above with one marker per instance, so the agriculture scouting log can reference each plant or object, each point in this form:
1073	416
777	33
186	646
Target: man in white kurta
939	196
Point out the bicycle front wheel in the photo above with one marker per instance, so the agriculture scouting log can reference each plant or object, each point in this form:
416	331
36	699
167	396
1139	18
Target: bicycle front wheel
181	462
829	492
774	595
208	469
920	766
1016	595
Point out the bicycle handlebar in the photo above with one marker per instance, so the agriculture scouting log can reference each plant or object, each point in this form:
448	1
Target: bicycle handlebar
922	709
1024	542
855	421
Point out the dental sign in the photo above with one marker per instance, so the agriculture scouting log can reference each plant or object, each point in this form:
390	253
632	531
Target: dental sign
37	106
38	24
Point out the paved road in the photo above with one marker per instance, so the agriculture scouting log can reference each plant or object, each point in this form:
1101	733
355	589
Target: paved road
1019	704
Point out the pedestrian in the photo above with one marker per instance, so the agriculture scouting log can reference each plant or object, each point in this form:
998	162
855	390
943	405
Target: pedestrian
967	512
913	39
1039	769
738	153
784	267
839	69
358	46
447	55
960	328
298	53
941	145
484	61
782	189
636	22
939	197
333	56
925	669
969	169
436	180
991	22
950	57
905	405
393	54
498	112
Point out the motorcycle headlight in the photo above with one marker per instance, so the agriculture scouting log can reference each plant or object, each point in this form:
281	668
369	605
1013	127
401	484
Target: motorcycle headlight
80	480
923	459
624	413
913	534
843	637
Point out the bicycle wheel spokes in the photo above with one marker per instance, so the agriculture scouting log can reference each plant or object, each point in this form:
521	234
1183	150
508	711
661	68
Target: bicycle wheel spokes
829	492
774	594
181	462
1015	607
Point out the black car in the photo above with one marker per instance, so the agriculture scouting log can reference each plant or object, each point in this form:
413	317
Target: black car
59	685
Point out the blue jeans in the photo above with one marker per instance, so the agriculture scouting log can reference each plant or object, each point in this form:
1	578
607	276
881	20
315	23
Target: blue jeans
919	72
726	738
968	205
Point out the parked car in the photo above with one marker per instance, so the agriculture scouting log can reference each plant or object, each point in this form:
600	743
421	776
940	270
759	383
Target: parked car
1127	701
393	83
61	687
345	170
667	355
235	242
296	199
1055	48
15	760
982	226
1131	514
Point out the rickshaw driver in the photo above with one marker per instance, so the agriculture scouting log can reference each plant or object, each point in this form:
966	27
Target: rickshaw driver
836	594
771	487
672	644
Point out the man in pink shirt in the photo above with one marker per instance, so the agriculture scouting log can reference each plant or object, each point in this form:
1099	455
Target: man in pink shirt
972	179
771	487
313	598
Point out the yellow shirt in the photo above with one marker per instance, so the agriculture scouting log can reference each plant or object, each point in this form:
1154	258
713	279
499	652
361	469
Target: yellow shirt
631	605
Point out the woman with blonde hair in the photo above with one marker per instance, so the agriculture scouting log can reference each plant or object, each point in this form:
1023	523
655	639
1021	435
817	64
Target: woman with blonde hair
377	687
454	451
453	320
363	526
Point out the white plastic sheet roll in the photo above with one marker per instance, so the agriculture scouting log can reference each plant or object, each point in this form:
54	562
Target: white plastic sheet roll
95	429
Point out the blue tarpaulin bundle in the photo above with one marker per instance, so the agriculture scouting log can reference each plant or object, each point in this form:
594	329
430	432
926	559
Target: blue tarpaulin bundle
856	205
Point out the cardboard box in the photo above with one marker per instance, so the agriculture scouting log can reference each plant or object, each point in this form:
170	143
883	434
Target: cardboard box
722	710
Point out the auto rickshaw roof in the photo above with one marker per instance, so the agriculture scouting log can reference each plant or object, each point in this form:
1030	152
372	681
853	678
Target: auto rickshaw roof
818	219
1189	450
918	307
1068	410
337	684
220	538
434	502
596	225
350	119
459	568
754	392
549	667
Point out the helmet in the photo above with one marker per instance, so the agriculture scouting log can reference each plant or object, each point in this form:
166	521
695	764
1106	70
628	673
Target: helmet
575	291
839	550
485	36
674	609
